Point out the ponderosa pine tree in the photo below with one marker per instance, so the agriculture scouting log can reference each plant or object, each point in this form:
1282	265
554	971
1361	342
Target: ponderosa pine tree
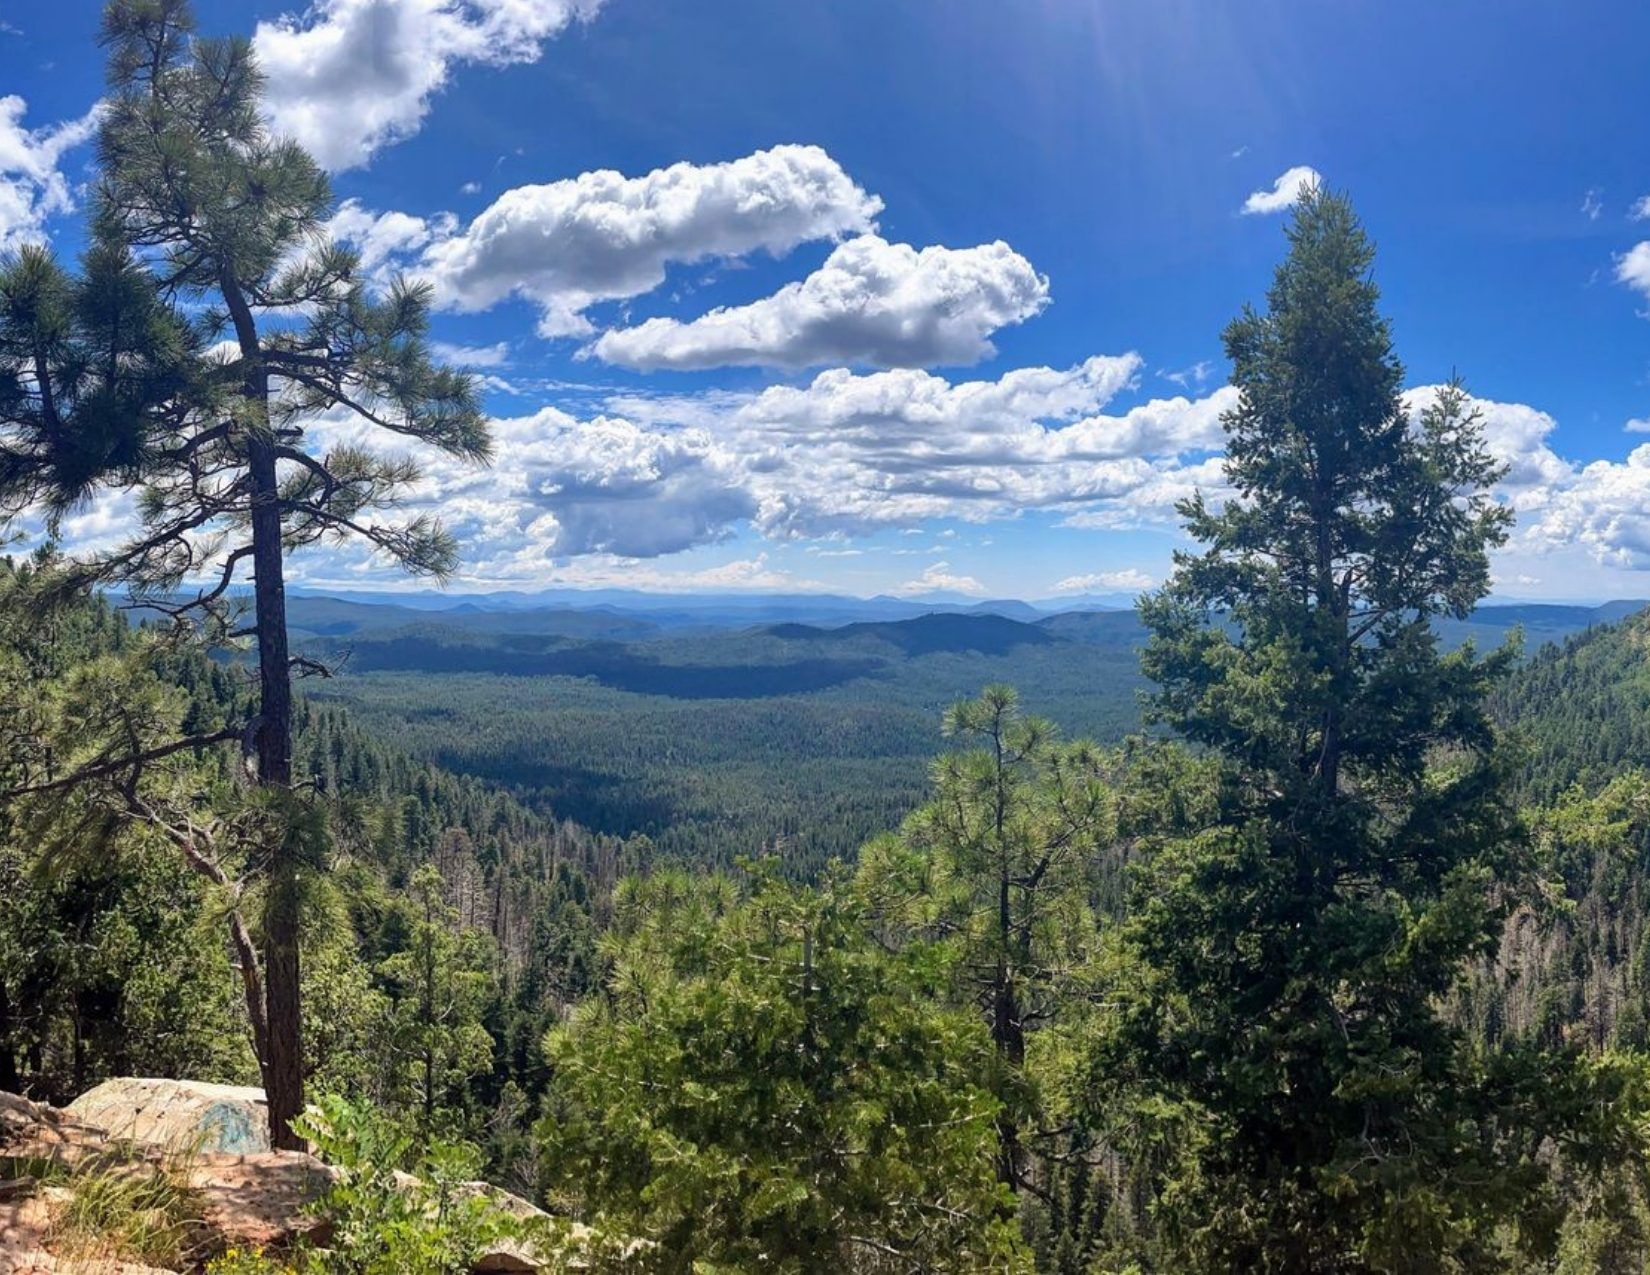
997	870
440	984
208	230
1282	973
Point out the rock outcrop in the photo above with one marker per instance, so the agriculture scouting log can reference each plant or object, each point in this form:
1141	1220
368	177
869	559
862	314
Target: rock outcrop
247	1199
178	1116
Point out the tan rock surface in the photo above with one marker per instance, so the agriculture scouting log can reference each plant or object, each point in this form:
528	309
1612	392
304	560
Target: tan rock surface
179	1116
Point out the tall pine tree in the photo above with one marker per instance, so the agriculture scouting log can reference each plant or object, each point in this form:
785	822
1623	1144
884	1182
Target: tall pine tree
1284	968
207	230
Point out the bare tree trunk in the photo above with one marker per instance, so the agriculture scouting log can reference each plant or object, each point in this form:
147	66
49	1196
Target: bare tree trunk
427	1009
283	1074
246	953
284	1079
77	1048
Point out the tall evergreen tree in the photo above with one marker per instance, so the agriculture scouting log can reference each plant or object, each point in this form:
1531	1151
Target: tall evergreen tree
1284	968
997	870
208	228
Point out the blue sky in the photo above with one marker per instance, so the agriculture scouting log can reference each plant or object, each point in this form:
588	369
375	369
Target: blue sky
972	261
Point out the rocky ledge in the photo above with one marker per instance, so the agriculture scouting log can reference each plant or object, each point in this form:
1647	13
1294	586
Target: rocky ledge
205	1138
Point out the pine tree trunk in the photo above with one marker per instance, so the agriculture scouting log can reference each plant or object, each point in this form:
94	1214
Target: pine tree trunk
8	1055
283	1074
283	1078
1008	1037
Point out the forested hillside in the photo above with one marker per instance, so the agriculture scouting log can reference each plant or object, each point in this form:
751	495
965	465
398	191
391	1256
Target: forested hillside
791	738
112	963
1581	708
794	737
1577	964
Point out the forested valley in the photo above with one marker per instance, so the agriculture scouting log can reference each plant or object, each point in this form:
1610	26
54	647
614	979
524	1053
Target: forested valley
1311	940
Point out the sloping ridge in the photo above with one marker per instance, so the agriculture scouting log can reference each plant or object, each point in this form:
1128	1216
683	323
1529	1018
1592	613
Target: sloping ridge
1582	707
935	633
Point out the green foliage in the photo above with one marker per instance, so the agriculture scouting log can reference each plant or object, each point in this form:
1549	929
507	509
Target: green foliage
205	226
126	1210
242	1261
112	952
1582	709
85	364
1575	969
439	988
109	962
716	746
995	877
764	1087
1278	983
384	1223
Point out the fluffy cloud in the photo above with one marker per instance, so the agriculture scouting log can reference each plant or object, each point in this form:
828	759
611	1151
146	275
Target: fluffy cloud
610	486
1606	509
1640	210
32	186
843	455
939	578
602	236
1633	267
914	406
848	453
1602	507
873	302
1130	580
1516	435
1285	192
350	76
384	240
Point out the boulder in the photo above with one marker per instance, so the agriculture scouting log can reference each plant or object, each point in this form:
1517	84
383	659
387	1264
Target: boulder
31	1131
259	1200
178	1116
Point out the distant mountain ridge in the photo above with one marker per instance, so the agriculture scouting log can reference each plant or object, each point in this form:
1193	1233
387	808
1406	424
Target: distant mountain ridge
985	633
621	616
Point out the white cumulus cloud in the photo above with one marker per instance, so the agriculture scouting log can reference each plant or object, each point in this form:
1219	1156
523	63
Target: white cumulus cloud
32	184
610	486
940	578
385	240
1517	436
348	77
1285	192
1633	267
848	453
602	236
1606	510
872	302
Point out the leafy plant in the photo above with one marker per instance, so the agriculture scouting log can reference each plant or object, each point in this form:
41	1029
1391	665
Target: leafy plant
398	1208
241	1261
